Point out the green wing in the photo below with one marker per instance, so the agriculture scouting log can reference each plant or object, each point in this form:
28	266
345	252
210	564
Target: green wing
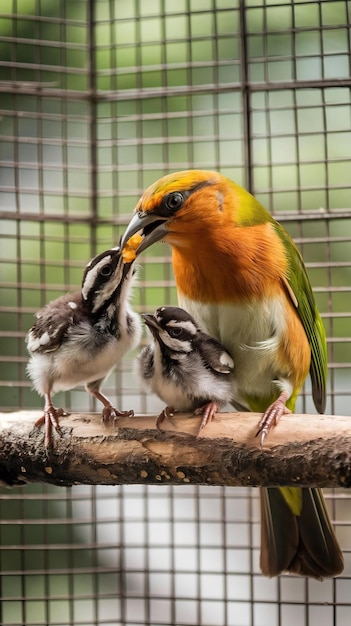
300	291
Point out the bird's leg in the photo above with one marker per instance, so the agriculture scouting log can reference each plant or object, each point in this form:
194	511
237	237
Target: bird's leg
50	419
272	415
109	412
166	413
207	411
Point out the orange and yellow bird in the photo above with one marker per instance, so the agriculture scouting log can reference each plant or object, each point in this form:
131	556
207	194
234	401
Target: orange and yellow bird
240	275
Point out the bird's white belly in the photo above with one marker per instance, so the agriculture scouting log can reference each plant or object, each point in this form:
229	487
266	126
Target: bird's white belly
251	334
173	396
62	372
82	368
78	362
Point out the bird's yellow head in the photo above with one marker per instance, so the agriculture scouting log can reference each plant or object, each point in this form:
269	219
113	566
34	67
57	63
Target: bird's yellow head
179	207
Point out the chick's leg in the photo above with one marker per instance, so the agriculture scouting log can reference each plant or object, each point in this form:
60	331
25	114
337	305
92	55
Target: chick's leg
207	411
50	419
166	413
109	412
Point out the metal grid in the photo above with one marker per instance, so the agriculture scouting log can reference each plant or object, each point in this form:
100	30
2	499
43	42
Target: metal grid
97	100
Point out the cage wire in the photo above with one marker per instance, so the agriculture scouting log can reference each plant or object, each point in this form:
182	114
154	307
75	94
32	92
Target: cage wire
98	99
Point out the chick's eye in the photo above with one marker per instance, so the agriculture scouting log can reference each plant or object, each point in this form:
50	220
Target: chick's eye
174	200
175	332
106	271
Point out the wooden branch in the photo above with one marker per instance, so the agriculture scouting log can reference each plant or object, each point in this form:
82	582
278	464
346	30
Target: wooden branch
307	450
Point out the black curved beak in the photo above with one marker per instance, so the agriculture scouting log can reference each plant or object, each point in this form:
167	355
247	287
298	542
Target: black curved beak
152	228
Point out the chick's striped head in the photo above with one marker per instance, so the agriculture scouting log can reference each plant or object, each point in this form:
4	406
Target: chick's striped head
178	335
173	328
103	278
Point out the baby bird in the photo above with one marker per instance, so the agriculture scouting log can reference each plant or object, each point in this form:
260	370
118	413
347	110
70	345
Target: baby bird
80	337
186	368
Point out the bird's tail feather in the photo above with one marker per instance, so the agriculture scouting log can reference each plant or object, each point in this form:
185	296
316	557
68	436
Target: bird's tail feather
303	544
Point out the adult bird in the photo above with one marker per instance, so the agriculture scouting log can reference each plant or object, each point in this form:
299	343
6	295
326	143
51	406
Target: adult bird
242	278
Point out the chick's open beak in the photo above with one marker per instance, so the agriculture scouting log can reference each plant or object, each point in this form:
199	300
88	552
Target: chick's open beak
150	226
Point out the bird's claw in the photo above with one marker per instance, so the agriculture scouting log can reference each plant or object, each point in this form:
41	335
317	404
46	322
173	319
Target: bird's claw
271	416
166	413
110	414
50	419
53	414
207	411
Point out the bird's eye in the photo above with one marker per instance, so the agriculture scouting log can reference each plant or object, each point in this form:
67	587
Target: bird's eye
106	271
174	200
175	332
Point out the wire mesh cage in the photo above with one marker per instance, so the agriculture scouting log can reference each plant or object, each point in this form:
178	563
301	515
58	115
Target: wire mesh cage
98	99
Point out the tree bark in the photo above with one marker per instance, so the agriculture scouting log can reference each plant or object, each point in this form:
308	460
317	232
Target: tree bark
305	450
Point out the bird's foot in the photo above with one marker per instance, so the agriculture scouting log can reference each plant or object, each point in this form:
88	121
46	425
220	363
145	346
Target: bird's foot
207	411
272	415
110	414
50	419
166	413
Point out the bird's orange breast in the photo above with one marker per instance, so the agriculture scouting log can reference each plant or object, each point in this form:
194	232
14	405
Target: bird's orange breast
239	263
